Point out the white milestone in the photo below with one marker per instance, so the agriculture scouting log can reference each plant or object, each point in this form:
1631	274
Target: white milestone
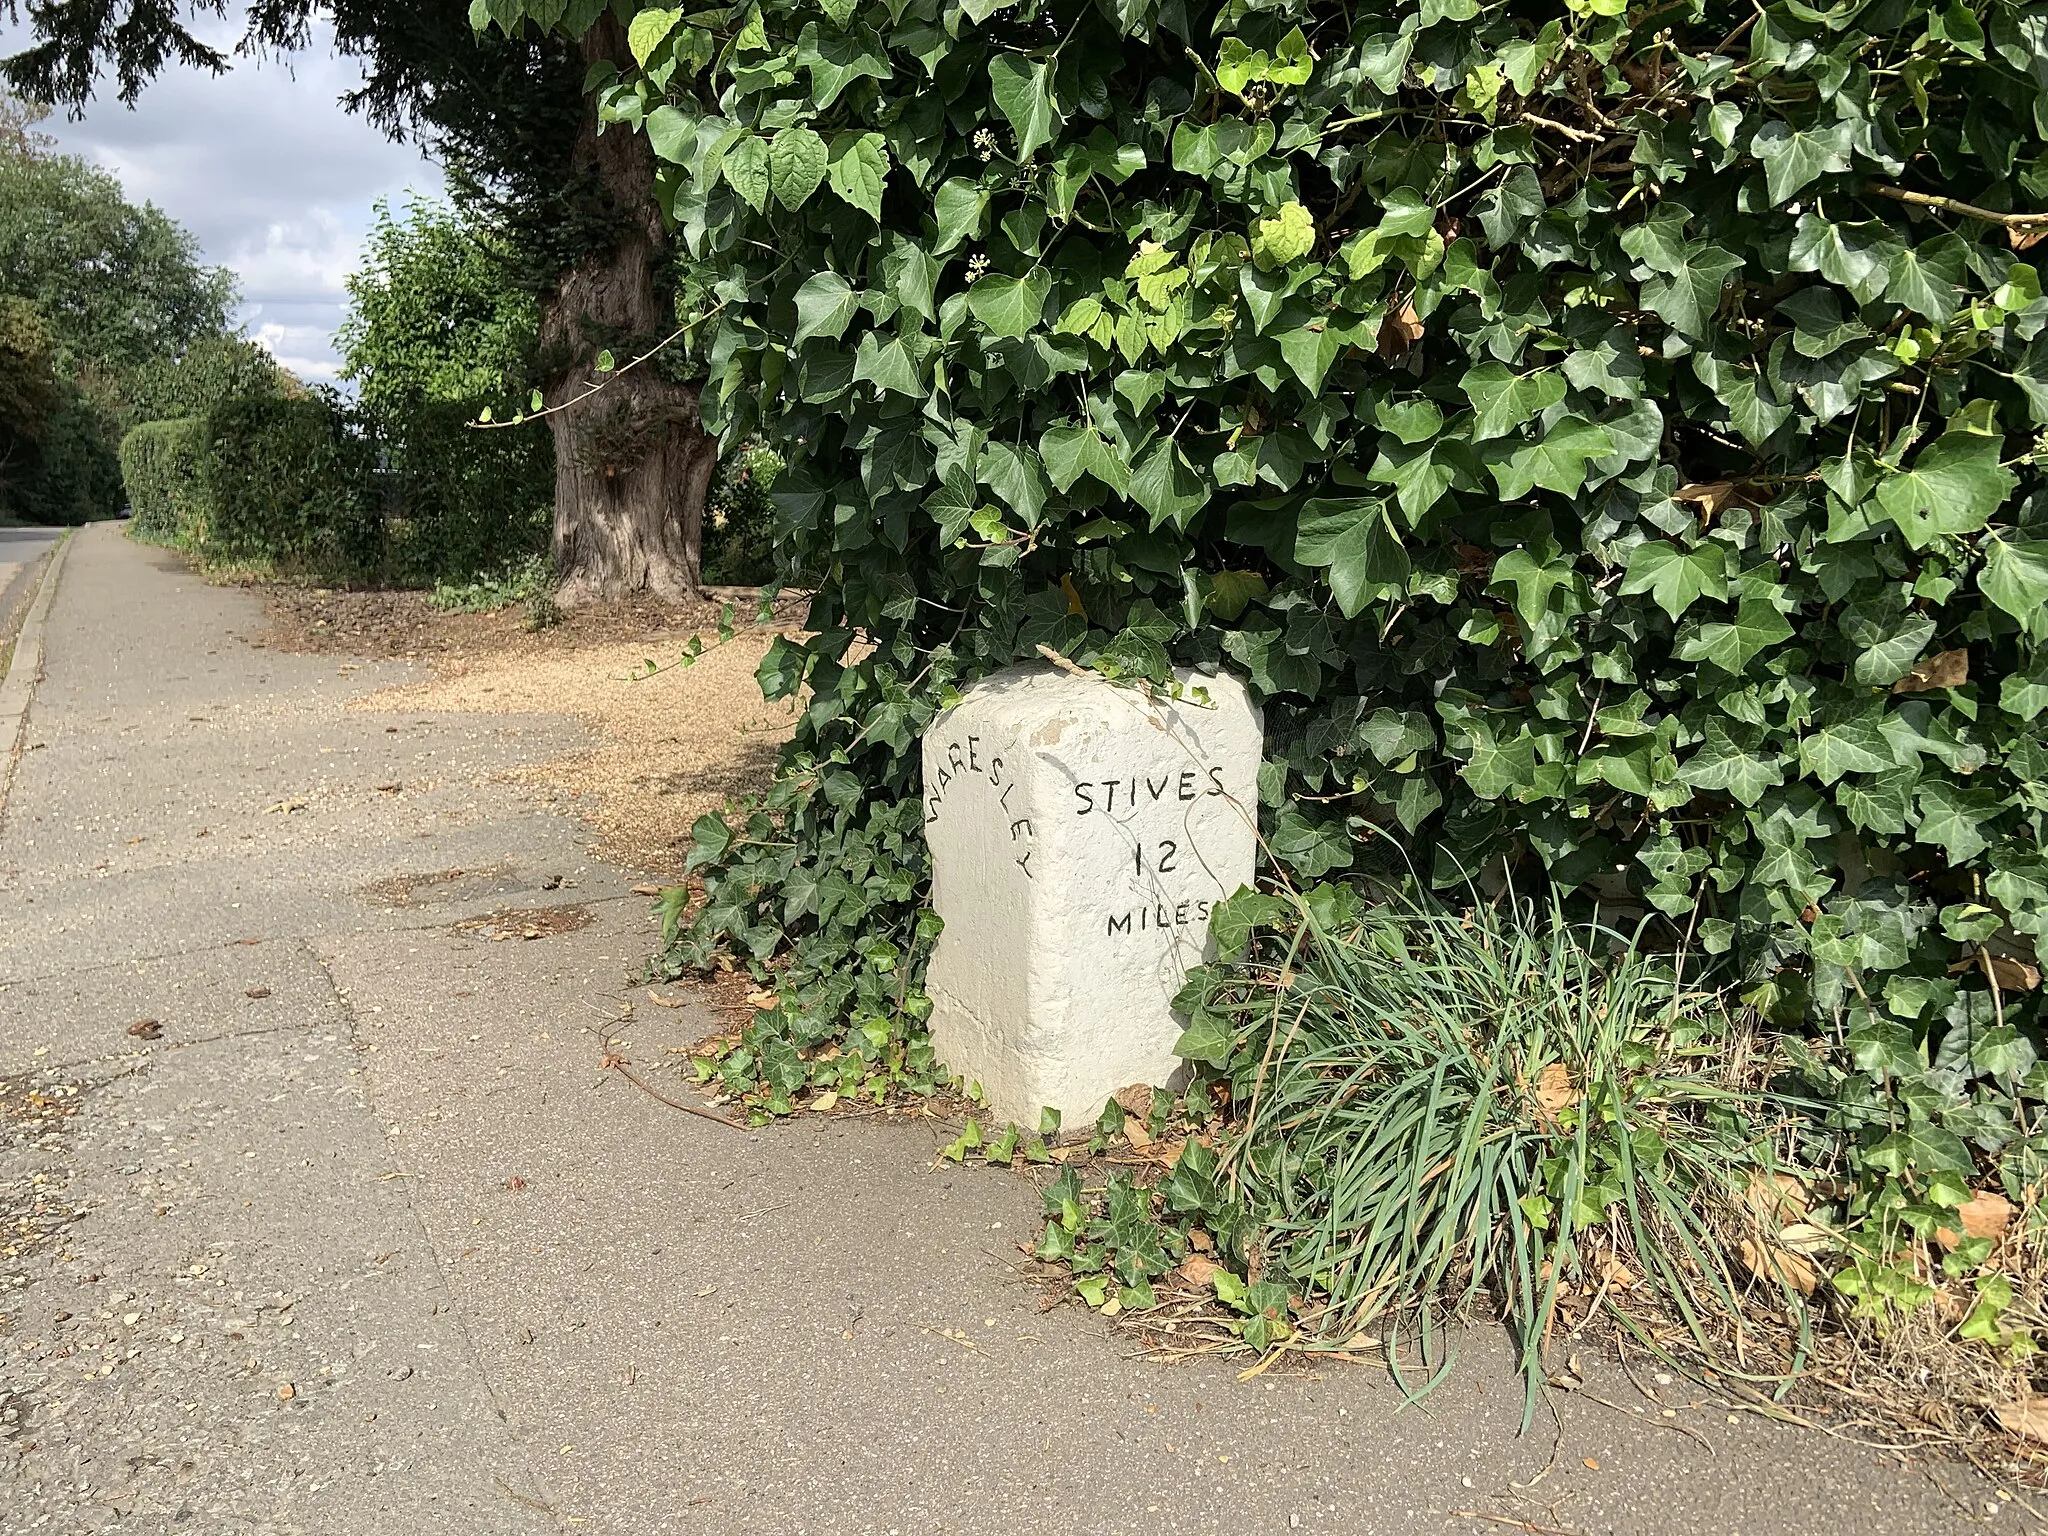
1080	832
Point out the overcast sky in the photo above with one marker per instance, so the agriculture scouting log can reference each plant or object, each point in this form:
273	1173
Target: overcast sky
267	170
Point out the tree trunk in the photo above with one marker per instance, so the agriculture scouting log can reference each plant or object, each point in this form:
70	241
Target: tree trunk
633	463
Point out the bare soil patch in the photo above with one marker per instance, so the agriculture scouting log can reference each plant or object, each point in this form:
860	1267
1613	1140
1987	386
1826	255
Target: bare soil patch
670	746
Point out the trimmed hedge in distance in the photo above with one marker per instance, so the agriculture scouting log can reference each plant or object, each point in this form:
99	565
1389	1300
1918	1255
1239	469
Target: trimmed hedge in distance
311	485
160	469
288	481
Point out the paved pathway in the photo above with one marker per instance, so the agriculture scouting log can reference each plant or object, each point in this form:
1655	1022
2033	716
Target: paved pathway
365	1241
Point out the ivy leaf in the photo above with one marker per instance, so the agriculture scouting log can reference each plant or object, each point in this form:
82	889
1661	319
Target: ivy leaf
1283	238
1953	818
1533	580
1023	94
1010	306
1676	578
1955	485
1847	741
1351	539
1556	461
1502	401
745	167
1891	658
1793	157
1723	764
858	168
2015	577
796	165
1927	278
648	31
1732	645
961	208
825	306
1071	452
1311	848
1168	487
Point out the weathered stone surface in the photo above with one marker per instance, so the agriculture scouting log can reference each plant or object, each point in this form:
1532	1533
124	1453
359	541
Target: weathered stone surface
1080	834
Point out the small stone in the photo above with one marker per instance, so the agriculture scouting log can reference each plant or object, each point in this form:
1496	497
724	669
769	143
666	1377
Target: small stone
287	1392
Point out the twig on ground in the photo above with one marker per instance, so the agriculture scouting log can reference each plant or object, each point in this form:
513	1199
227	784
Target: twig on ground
1520	1525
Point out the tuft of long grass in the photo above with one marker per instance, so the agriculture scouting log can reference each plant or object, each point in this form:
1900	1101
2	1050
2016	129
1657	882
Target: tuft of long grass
1501	1103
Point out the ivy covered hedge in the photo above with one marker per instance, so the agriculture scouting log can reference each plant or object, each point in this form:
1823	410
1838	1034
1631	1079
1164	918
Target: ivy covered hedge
1603	434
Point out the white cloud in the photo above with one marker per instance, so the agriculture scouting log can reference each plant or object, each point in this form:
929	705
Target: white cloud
270	174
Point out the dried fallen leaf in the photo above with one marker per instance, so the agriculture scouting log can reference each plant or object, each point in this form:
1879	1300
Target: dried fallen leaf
1710	496
146	1029
823	1102
1985	1214
2013	975
1136	1134
2026	1417
659	1001
1399	332
646	890
1778	1199
1592	1464
1166	1153
1136	1100
1769	1262
762	1000
1554	1091
1196	1270
1951	669
1199	1240
1805	1237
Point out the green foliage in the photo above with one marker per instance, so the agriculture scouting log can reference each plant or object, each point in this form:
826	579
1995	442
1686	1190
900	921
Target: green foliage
116	284
1597	435
191	383
433	318
520	583
1440	1106
160	470
461	503
739	519
67	472
287	482
96	295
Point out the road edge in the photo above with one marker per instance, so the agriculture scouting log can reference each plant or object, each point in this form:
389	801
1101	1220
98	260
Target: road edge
25	667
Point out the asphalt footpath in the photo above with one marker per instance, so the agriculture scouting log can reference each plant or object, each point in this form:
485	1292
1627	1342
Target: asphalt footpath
323	1215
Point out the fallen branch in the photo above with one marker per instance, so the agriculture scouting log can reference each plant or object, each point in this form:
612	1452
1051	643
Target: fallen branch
1960	209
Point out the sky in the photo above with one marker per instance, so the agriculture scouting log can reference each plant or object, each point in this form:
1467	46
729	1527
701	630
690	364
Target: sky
264	167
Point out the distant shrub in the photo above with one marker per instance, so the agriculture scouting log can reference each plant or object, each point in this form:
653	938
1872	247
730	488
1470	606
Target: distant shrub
739	519
465	504
70	474
289	482
160	467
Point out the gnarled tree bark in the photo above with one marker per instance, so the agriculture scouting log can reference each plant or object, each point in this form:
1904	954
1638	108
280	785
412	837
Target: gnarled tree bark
633	463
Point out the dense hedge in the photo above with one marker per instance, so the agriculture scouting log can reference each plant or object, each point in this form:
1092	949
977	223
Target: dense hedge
466	502
288	481
1603	435
160	471
313	485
